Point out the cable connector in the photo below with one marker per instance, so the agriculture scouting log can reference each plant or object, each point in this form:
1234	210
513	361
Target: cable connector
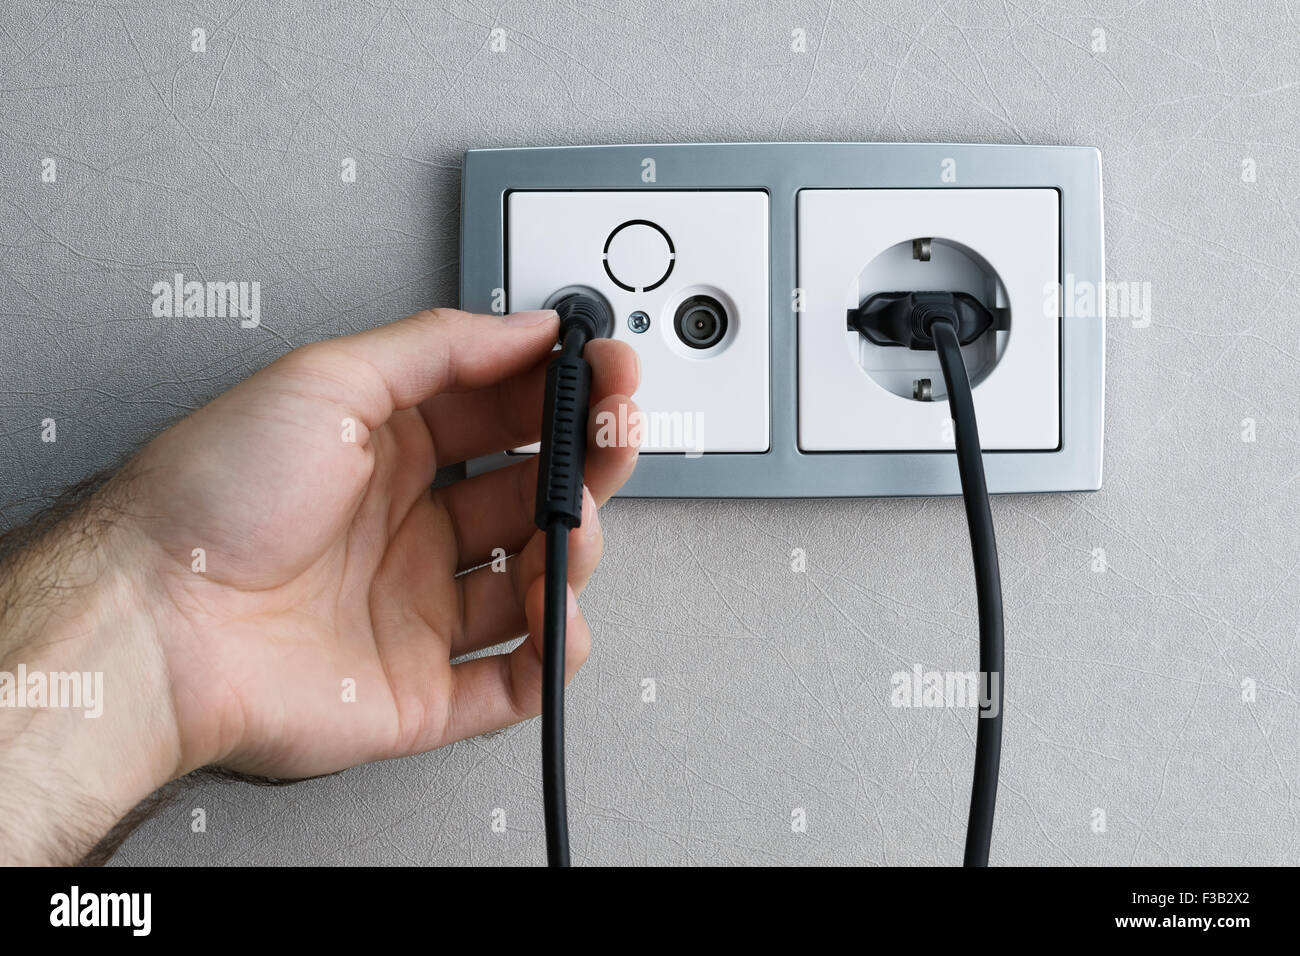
564	442
904	318
579	310
564	414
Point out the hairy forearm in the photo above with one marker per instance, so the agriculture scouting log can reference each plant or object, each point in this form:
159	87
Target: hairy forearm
86	722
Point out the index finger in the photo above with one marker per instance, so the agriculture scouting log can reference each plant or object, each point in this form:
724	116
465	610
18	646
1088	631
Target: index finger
403	363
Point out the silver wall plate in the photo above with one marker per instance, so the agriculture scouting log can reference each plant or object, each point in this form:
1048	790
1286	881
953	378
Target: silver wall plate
782	170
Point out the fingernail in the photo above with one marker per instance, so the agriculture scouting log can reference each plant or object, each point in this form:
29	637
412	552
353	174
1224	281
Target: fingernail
590	515
571	606
529	318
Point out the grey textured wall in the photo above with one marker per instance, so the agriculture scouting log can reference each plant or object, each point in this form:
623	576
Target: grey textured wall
1125	686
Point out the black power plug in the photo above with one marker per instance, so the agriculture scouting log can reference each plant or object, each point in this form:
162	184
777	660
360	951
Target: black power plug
904	318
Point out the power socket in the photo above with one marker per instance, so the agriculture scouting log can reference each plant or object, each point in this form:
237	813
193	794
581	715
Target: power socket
785	239
1000	245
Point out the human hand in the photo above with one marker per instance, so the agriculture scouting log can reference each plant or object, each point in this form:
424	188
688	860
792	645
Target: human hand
334	588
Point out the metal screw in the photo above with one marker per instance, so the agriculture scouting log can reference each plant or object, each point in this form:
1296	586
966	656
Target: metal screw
921	389
921	249
638	322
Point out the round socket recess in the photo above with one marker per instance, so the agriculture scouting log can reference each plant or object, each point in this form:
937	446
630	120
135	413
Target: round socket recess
944	265
639	256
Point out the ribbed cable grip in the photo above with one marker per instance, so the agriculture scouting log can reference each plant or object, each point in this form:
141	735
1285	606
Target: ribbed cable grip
564	441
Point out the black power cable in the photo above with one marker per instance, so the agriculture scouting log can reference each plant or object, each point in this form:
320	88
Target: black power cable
559	510
554	800
944	321
988	590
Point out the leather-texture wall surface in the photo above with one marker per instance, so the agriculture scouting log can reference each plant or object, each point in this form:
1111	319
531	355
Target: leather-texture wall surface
1153	668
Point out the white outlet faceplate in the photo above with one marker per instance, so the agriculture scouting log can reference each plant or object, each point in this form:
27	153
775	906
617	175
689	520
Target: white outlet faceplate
647	252
1000	245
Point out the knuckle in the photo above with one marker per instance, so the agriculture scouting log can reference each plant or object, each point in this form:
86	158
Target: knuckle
525	695
438	316
595	546
305	356
579	648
